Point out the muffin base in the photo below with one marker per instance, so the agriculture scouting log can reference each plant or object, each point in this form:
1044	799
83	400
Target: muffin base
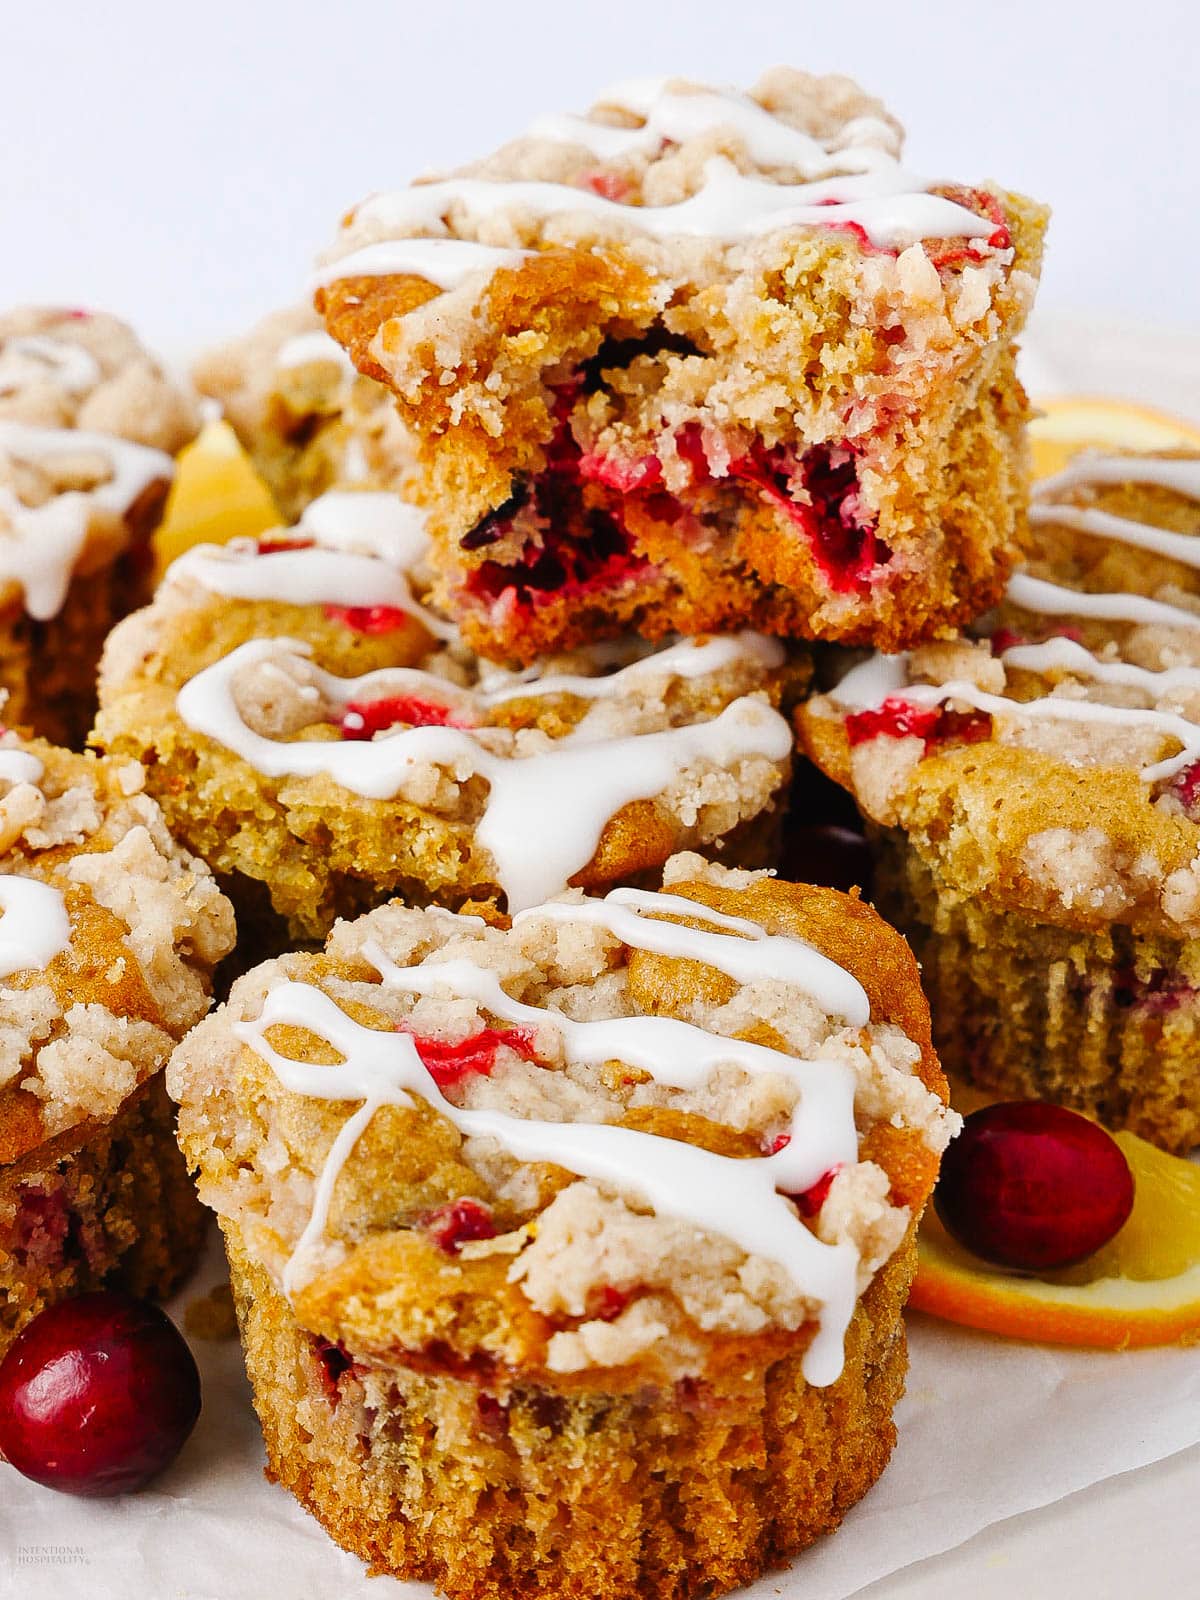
49	668
571	1495
108	1205
1106	1023
265	931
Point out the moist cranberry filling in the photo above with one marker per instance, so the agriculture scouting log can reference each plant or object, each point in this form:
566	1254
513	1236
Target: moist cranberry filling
363	719
570	520
449	1063
1009	639
832	517
368	619
606	184
493	1416
452	1225
977	200
44	1226
606	1302
575	540
1006	639
900	719
334	1361
983	204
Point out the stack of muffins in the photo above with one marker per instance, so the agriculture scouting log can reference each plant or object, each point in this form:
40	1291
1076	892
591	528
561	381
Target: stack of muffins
570	1187
570	1198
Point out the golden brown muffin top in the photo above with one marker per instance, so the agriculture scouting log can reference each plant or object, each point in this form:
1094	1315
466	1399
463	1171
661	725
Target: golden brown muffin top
556	1147
746	234
298	661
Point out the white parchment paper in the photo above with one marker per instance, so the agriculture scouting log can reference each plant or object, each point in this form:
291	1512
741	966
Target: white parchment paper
989	1428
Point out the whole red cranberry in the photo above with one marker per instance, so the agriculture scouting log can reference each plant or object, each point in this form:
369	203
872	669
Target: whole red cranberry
452	1225
1033	1186
97	1395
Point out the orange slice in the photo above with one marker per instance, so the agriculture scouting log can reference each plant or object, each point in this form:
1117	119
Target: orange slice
1142	1288
217	495
1079	422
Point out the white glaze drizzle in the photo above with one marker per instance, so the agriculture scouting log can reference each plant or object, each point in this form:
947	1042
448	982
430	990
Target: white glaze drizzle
34	357
729	206
41	553
366	544
678	115
884	677
741	1200
375	522
46	540
448	263
635	917
861	183
303	578
1086	470
18	766
686	659
874	681
1060	710
544	813
1056	600
1069	658
34	927
1181	547
305	349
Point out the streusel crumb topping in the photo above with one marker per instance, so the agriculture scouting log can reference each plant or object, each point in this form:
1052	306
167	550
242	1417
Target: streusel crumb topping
613	1281
89	371
108	938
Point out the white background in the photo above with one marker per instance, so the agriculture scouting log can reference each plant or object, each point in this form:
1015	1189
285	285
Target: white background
180	163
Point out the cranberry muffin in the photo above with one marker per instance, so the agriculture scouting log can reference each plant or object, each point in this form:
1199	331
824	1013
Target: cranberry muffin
702	360
569	1256
308	421
1035	793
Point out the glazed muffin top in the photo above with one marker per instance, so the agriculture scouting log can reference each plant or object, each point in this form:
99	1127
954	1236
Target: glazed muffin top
63	368
634	1134
1050	760
108	939
89	424
790	268
586	768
